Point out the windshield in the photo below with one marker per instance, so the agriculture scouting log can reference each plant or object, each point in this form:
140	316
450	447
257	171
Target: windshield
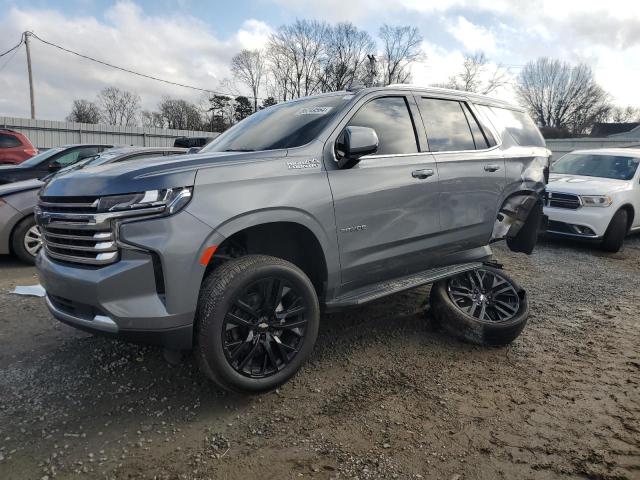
93	161
287	125
605	166
41	157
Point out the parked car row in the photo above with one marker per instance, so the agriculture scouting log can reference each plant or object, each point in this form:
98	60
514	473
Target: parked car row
19	233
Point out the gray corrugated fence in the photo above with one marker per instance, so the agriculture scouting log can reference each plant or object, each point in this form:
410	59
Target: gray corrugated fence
50	133
560	146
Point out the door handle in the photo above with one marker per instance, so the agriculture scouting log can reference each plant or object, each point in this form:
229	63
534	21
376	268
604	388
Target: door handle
422	174
492	167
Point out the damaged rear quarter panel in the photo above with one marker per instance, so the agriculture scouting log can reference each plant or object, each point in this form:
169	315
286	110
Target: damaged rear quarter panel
526	171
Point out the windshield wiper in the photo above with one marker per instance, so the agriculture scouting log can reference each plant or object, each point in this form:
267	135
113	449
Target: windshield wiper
239	150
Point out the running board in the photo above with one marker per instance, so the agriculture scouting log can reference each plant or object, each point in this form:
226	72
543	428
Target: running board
373	292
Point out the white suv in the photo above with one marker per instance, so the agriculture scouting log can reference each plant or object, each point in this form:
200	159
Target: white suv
595	194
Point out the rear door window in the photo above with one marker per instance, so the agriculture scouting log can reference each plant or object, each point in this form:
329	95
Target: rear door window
9	141
519	126
390	118
447	126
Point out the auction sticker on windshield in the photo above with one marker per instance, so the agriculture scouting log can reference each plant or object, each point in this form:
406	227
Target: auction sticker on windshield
314	111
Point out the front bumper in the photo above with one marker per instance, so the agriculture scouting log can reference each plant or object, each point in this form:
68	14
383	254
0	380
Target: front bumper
119	300
149	296
572	223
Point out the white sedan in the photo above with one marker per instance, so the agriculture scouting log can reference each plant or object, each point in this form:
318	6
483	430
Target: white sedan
595	194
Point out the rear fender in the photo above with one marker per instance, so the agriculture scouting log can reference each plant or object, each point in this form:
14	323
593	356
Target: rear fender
519	221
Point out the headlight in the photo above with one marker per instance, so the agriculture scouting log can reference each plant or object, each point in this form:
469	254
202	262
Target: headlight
172	199
596	200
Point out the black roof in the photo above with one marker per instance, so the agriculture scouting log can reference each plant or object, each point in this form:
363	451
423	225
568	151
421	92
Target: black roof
601	129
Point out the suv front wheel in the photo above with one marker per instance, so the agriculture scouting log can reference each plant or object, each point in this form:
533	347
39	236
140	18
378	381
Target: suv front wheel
257	322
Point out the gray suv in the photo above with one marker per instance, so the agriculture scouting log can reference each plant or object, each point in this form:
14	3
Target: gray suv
315	204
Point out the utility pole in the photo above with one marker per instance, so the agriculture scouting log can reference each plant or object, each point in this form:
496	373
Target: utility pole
33	104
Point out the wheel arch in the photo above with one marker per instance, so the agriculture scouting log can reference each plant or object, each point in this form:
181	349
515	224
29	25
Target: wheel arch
630	214
288	234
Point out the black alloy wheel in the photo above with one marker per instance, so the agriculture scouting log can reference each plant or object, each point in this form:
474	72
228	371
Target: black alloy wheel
483	306
265	327
256	324
484	294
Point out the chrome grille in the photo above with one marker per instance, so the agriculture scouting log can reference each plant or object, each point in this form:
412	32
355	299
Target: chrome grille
563	200
73	230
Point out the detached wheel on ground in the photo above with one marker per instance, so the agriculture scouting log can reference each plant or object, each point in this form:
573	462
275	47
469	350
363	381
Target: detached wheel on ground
257	322
483	306
616	231
26	240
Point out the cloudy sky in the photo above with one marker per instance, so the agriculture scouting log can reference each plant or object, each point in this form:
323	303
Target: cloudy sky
189	41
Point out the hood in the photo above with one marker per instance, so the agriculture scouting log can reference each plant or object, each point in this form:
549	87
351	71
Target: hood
17	187
581	185
146	174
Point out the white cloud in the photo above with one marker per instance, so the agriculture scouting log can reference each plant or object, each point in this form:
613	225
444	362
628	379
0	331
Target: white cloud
472	37
181	49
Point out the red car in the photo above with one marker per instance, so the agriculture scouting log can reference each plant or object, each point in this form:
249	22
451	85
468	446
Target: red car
15	148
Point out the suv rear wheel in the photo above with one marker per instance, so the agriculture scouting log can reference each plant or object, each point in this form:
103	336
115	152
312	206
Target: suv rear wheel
484	306
257	322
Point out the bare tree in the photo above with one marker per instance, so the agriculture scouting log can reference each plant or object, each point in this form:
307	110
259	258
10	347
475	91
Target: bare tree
152	119
297	50
626	114
477	77
119	107
84	111
561	96
179	114
345	56
400	50
248	66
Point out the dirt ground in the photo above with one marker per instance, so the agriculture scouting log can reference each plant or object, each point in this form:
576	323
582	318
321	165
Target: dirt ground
385	394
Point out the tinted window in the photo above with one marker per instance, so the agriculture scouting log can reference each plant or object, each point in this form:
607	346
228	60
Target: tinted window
606	166
390	118
40	158
519	126
9	141
446	124
75	155
285	125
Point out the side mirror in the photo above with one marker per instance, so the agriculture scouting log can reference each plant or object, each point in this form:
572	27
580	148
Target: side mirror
193	150
54	166
353	143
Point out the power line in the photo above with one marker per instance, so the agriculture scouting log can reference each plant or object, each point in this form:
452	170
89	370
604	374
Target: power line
144	75
14	48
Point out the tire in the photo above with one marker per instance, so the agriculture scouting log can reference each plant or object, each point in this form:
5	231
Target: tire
616	231
235	318
25	241
458	318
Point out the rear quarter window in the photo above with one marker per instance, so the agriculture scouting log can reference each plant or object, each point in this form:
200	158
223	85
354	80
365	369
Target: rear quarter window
519	126
9	141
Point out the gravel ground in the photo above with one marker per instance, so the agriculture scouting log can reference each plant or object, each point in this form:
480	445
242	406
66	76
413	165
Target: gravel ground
385	395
